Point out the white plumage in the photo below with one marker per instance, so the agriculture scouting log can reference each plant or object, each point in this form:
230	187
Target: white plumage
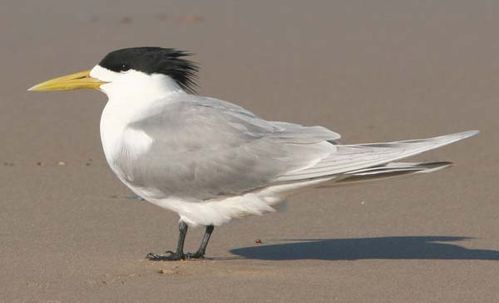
211	161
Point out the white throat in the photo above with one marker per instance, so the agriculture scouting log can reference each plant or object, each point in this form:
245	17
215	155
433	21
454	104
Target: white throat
132	96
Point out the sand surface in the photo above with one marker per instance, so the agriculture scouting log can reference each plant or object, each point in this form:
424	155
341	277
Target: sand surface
370	70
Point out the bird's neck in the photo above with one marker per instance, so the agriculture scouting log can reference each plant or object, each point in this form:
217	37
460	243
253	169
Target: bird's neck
132	98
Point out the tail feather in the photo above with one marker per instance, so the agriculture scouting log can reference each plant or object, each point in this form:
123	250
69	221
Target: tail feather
371	157
390	170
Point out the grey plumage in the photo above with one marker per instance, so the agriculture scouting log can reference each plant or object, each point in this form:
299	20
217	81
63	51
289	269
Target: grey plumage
204	148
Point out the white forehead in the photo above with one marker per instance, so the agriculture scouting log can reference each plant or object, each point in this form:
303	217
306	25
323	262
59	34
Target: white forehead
103	74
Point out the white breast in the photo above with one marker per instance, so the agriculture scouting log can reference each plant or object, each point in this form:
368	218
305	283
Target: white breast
121	143
111	132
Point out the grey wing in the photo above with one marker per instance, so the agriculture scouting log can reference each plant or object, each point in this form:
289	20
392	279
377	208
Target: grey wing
204	148
353	159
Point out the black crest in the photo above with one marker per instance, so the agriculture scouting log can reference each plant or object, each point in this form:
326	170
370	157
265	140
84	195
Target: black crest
154	60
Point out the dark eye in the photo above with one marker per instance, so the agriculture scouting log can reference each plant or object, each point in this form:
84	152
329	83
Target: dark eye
124	67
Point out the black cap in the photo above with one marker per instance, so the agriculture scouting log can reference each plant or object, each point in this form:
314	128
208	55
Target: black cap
154	60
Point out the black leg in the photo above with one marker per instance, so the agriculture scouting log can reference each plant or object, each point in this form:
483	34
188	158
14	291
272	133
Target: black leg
202	248
170	255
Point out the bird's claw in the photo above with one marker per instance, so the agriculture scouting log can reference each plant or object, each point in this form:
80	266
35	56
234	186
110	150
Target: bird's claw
196	255
173	256
168	256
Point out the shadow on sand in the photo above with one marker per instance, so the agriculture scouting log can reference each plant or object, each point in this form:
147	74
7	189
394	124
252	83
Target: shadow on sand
420	247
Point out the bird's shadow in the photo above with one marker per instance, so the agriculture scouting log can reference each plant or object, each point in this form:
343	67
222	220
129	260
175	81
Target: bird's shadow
418	247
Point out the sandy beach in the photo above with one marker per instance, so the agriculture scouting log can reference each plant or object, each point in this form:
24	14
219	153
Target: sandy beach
370	70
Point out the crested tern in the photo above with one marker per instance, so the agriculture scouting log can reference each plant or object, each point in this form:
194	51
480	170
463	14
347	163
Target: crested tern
211	161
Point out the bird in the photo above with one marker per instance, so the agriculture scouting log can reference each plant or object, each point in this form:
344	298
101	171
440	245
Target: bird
211	161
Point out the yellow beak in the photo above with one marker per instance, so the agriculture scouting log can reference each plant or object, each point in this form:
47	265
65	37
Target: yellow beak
69	82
